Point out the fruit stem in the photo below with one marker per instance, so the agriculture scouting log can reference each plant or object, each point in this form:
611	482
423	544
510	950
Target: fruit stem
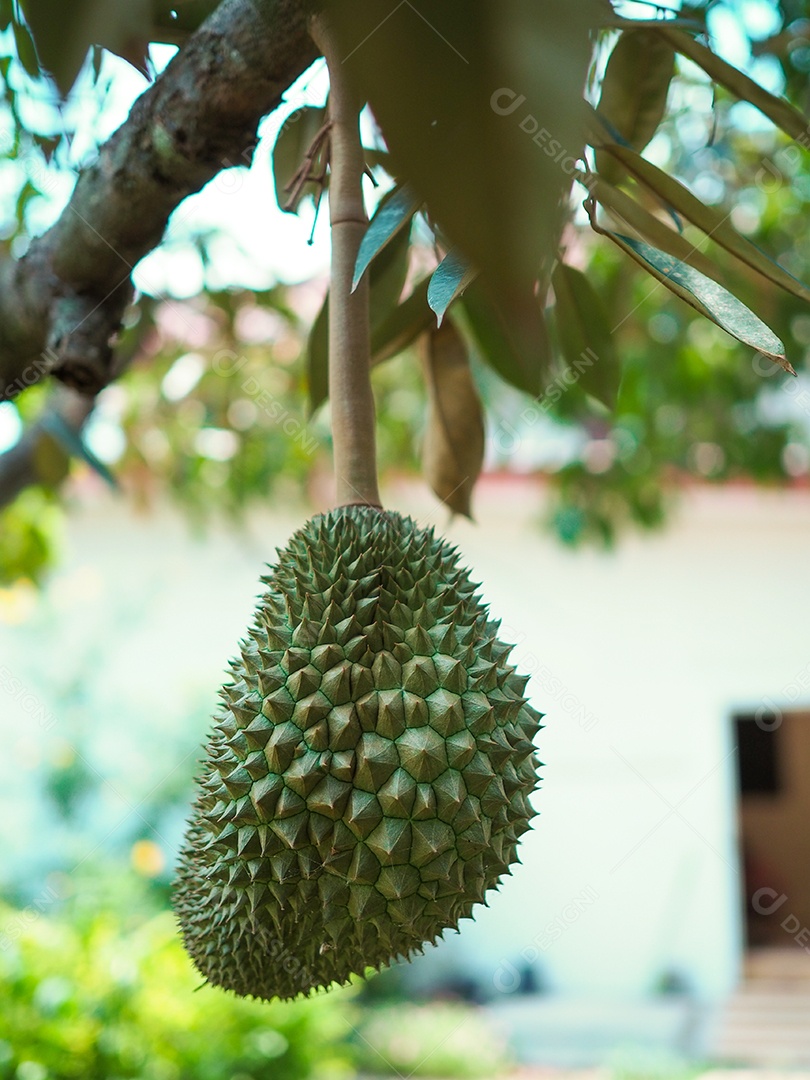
352	402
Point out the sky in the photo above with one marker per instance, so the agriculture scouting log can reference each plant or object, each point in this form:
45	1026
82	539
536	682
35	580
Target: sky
258	245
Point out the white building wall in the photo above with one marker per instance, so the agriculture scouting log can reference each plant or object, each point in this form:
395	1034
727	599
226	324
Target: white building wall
658	642
639	657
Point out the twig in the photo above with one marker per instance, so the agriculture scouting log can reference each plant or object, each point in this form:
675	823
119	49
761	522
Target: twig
304	174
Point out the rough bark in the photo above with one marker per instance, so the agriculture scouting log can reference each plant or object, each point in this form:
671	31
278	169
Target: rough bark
61	304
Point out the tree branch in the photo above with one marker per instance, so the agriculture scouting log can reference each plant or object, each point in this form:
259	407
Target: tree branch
18	465
62	303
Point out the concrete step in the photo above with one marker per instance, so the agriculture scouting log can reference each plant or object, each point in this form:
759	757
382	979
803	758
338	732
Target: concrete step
753	1003
767	1021
777	965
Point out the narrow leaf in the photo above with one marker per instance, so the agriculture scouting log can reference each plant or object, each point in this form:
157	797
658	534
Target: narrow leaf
387	279
378	158
450	278
585	336
318	358
513	339
460	94
392	214
597	126
778	111
26	53
696	26
74	445
453	448
402	326
65	33
713	222
634	91
51	462
626	208
706	296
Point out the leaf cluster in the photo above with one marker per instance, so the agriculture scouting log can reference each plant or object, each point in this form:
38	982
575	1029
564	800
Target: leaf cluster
95	994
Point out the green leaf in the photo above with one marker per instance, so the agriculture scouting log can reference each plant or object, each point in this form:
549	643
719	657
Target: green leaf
713	222
27	192
778	111
318	358
134	48
394	212
449	280
378	158
51	462
291	147
30	529
453	447
64	33
386	281
634	91
402	326
512	336
73	444
585	335
96	60
706	296
387	277
623	206
694	26
462	95
26	53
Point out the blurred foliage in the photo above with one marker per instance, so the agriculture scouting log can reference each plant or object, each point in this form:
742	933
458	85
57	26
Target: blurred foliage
212	410
221	427
93	993
29	532
202	415
435	1039
104	771
95	984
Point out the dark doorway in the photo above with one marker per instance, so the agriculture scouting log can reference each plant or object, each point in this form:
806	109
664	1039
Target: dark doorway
773	782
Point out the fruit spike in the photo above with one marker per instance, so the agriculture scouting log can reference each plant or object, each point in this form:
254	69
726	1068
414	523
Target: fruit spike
368	774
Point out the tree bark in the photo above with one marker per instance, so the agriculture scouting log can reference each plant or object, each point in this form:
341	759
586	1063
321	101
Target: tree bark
61	304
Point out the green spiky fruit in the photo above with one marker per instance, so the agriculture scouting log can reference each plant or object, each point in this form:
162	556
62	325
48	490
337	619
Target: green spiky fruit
368	777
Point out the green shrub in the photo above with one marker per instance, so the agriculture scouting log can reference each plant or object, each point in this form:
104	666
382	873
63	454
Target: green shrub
436	1039
92	998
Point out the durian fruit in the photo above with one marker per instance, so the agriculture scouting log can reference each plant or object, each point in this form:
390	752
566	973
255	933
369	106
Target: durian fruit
368	776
